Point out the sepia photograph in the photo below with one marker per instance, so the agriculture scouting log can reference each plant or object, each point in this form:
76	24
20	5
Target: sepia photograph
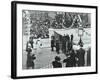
53	39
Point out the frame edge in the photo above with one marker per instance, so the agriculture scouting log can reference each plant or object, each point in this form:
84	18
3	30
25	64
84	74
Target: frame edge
13	40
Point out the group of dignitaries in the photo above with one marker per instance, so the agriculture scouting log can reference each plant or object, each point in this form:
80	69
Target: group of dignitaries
73	57
63	43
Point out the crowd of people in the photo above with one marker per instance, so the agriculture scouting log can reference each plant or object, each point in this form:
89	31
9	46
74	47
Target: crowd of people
40	28
73	57
63	45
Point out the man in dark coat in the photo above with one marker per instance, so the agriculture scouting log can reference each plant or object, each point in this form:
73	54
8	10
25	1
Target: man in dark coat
70	45
52	45
67	61
89	57
70	59
81	56
57	46
71	37
67	37
30	57
64	44
30	61
57	63
31	41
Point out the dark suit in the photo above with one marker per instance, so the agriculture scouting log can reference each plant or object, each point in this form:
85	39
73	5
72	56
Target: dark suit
80	56
72	58
57	46
89	57
56	64
71	38
70	61
70	45
64	44
28	50
30	62
52	45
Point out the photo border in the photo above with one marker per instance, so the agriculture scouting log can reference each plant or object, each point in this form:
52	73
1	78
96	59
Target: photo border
14	38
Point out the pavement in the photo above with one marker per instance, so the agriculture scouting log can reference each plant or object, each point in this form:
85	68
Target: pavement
44	58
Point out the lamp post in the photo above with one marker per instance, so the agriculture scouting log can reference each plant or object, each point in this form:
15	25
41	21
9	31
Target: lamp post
80	34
